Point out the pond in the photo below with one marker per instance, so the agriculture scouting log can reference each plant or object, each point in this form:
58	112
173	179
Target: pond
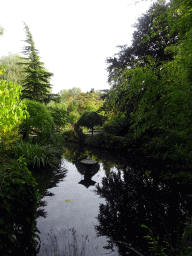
92	210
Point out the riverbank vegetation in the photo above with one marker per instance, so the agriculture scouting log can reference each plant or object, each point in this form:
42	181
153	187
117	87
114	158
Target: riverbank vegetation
151	84
29	141
148	104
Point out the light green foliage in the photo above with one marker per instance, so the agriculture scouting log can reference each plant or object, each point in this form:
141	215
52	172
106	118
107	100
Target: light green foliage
71	93
11	111
77	102
13	71
1	30
90	101
39	121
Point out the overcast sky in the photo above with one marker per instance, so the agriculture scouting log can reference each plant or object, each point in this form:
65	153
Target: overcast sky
73	37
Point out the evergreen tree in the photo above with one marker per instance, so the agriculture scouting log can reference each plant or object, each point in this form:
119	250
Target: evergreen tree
36	86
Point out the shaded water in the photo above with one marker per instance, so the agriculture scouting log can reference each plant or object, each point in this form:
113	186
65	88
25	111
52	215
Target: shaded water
78	213
129	195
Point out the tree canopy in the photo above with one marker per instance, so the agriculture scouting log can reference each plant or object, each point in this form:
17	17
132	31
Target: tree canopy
151	37
89	119
151	82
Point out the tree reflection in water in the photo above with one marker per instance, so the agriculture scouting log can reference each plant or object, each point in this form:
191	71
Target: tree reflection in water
132	200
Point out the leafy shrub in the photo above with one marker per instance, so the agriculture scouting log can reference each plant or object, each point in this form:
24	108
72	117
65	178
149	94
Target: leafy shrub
118	126
70	136
18	207
73	117
104	140
11	112
38	156
58	113
40	121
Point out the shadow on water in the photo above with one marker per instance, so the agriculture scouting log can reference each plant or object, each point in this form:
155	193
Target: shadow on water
133	200
135	195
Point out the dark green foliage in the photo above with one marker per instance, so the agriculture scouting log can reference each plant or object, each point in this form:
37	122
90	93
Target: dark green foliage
59	114
153	91
118	126
18	205
105	141
90	119
70	136
39	121
80	134
151	37
36	85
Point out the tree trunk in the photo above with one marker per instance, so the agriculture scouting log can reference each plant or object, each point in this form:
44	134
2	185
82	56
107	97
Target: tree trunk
92	131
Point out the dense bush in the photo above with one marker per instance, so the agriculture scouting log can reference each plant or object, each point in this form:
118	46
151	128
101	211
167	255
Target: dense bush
11	112
18	205
104	140
70	135
118	126
39	120
38	156
59	113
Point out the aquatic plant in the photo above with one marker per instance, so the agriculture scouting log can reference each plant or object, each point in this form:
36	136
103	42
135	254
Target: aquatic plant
69	249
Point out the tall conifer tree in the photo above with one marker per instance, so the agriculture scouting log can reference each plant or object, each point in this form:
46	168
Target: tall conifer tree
36	85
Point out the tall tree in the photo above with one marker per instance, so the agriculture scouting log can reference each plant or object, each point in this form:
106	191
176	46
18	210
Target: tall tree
151	37
36	85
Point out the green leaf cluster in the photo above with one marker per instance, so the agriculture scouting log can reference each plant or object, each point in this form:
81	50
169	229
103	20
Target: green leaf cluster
18	207
12	110
59	113
39	121
155	95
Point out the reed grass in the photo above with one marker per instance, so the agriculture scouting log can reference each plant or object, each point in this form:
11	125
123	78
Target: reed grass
73	248
37	155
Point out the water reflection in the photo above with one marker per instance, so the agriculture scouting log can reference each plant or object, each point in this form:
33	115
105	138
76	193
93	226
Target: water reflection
73	206
133	200
130	193
88	171
47	180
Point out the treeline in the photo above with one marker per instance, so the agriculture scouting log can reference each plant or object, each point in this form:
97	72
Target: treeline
151	84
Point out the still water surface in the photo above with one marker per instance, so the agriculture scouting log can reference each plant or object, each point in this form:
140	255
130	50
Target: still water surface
79	213
130	194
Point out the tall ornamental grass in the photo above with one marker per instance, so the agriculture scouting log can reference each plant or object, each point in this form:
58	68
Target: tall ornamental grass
38	156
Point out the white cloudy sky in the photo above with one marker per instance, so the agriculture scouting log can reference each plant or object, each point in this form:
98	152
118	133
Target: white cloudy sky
73	37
